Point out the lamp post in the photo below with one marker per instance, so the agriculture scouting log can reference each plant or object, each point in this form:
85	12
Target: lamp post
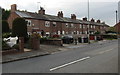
116	16
116	23
88	24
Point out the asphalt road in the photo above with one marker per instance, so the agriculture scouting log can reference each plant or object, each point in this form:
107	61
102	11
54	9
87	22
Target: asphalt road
94	58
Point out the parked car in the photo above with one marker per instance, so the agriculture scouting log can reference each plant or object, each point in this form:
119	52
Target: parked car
67	39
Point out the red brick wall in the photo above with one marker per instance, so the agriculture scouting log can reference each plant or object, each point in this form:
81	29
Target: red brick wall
117	27
11	18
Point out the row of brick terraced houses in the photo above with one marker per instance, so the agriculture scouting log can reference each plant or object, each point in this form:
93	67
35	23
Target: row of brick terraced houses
50	25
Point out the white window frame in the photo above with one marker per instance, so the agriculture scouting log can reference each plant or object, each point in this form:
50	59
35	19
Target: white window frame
80	26
91	26
63	32
85	32
47	23
77	32
80	32
59	32
83	26
29	23
54	24
29	33
72	25
66	32
67	25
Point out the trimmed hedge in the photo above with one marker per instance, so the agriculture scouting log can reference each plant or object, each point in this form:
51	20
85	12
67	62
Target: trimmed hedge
110	36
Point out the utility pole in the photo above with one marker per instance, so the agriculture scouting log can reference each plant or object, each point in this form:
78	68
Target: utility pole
38	5
116	23
88	24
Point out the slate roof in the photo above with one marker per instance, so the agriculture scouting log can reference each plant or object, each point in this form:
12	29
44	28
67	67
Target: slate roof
25	14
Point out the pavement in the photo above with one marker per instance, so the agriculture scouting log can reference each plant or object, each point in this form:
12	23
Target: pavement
44	50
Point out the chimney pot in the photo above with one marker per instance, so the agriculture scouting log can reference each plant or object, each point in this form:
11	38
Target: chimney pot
60	14
98	21
13	8
73	16
92	20
85	19
41	11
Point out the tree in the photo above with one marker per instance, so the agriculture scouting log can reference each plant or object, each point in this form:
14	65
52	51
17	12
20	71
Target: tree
5	14
19	27
5	27
97	32
111	29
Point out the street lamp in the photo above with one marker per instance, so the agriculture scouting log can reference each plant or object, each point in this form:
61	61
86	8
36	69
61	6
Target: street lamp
116	16
116	23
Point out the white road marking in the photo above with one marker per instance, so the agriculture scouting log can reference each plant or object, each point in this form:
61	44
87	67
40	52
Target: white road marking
69	63
105	51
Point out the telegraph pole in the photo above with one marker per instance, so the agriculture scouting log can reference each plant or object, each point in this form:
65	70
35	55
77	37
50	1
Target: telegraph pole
88	24
116	23
38	5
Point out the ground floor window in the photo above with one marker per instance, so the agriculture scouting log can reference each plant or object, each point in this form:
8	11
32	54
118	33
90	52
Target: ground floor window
58	32
47	33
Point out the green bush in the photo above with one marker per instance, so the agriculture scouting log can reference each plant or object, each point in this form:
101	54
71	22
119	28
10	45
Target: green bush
5	27
42	40
110	37
16	46
6	35
97	32
19	27
5	46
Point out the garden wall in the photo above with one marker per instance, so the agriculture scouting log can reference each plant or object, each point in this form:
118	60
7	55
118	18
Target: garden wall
57	42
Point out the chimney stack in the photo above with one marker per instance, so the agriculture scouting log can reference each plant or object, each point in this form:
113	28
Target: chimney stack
92	20
13	8
41	11
98	21
85	19
60	14
73	16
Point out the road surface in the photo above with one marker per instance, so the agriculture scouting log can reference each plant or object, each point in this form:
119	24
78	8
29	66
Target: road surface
93	58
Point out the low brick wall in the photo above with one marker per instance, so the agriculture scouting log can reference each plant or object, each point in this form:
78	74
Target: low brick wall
57	42
12	51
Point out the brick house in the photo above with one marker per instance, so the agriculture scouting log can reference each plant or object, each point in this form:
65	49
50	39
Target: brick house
117	27
50	24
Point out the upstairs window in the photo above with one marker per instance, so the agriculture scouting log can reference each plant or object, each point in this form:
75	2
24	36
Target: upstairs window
72	25
47	23
54	24
28	22
80	26
66	24
83	26
91	26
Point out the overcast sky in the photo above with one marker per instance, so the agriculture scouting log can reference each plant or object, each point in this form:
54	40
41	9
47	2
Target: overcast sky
99	9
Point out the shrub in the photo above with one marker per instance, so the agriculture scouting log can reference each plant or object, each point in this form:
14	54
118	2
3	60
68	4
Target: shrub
6	35
5	46
42	40
97	32
36	35
5	27
110	36
19	27
16	46
56	36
